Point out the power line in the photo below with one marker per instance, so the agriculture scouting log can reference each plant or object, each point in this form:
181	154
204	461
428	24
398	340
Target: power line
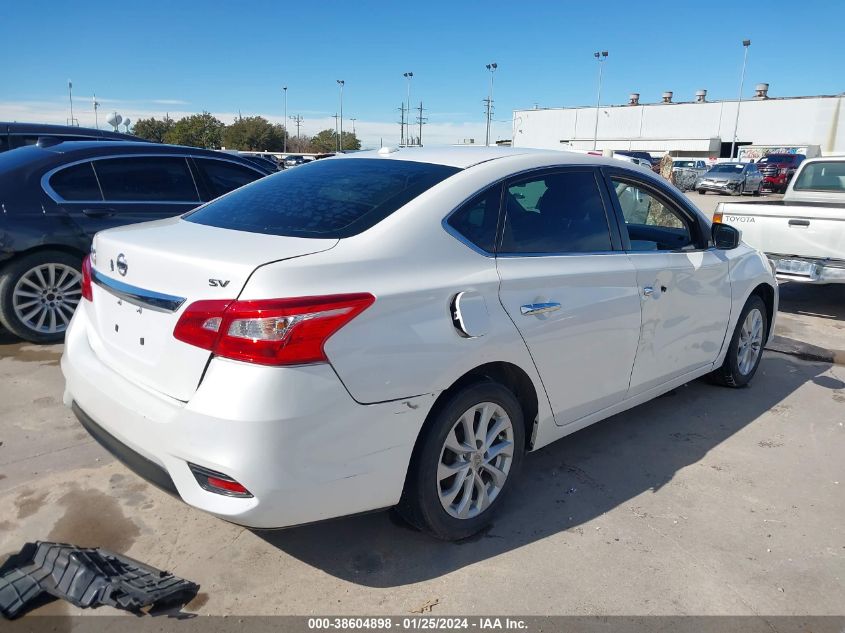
421	120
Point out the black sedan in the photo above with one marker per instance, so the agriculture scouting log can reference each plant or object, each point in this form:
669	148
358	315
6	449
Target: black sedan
54	198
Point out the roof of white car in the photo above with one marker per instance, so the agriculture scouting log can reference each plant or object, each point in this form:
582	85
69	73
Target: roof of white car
460	156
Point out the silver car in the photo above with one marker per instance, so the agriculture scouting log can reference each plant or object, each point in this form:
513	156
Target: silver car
731	179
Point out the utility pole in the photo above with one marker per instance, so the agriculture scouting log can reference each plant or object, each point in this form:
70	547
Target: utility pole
336	137
421	120
745	44
297	120
492	68
285	130
601	57
353	119
96	118
341	83
402	124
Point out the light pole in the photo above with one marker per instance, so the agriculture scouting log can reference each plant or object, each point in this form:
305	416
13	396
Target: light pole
353	119
285	130
492	68
601	57
407	136
745	45
70	98
340	82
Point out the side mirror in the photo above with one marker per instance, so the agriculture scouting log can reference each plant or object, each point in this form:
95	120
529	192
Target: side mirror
725	237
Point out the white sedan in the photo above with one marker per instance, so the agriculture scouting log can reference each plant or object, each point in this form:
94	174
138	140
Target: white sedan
401	327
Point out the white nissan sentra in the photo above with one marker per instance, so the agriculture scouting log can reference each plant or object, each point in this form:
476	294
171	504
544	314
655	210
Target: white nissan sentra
401	327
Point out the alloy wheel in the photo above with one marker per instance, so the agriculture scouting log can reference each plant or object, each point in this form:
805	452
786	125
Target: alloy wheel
750	342
45	297
475	460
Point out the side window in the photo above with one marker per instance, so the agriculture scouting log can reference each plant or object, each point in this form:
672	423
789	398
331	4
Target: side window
556	213
146	179
76	183
4	142
477	219
652	224
223	176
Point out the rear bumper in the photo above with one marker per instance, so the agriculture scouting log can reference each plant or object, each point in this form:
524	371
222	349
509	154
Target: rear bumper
292	436
821	271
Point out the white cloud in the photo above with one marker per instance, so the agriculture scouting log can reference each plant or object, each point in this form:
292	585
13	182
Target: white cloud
371	133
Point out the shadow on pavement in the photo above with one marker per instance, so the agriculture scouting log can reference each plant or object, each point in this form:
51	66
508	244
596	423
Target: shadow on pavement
826	301
561	486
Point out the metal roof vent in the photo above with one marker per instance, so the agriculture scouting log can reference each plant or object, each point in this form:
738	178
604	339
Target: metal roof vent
762	91
634	98
701	96
667	96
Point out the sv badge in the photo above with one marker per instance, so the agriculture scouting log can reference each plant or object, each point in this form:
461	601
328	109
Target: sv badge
218	283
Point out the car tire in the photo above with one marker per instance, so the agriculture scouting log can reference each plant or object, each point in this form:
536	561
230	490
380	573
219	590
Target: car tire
746	347
28	293
758	190
433	502
701	192
741	189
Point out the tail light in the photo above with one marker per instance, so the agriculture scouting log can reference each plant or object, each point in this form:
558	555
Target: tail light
271	331
87	293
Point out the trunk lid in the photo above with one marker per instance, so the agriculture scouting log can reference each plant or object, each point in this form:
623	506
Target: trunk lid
802	230
145	275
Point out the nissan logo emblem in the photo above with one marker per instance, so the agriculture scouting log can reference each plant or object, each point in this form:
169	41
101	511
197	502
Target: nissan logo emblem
122	266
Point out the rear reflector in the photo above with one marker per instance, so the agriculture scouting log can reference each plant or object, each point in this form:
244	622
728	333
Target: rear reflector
87	293
271	331
218	483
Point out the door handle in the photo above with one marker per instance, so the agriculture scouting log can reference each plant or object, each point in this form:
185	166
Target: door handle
799	223
98	213
648	291
533	309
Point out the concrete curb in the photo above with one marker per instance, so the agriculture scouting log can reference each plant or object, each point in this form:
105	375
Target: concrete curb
805	351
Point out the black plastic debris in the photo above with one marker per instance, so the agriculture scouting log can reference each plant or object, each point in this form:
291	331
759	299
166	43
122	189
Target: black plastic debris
85	577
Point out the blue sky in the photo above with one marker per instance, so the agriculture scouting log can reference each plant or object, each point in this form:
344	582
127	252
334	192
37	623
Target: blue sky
224	57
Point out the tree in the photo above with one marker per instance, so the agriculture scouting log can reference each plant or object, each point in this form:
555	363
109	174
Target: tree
152	129
254	133
326	141
198	130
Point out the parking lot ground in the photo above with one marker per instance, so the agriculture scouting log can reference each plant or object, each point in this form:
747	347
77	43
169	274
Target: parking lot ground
704	501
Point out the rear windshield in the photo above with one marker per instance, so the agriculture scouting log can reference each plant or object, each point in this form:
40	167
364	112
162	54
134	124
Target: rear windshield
329	198
823	176
779	158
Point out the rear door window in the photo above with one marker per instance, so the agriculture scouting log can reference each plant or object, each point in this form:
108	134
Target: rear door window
224	176
76	183
477	219
555	213
146	179
330	198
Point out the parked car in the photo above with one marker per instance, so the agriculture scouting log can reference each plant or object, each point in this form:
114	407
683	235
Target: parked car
778	169
804	233
400	327
644	157
14	135
53	199
292	160
732	179
262	161
686	171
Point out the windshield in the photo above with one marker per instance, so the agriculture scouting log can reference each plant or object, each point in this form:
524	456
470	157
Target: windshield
778	158
823	176
727	168
684	163
329	198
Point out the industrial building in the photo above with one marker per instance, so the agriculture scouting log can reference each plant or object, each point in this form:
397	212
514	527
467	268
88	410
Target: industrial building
697	128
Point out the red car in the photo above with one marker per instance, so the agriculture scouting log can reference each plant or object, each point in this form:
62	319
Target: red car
778	169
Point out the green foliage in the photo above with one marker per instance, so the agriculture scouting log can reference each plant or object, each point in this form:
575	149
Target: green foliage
254	133
152	129
326	141
198	130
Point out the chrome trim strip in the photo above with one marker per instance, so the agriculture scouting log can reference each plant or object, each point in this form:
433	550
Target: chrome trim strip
149	299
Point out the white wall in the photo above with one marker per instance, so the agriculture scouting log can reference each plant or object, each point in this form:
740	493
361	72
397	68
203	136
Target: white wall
687	126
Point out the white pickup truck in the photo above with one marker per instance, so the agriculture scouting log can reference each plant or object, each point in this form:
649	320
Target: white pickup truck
803	234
